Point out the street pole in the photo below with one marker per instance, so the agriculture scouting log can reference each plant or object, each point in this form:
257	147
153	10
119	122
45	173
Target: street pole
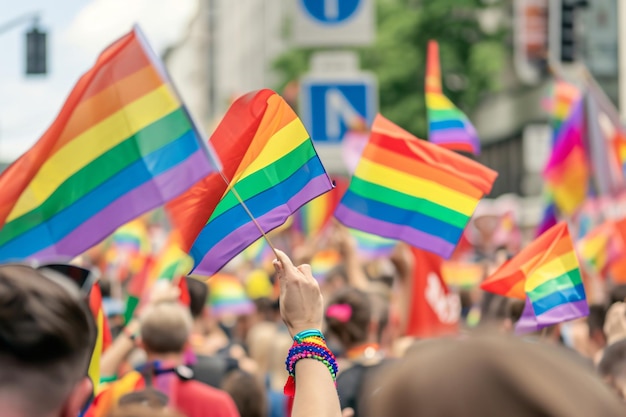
621	56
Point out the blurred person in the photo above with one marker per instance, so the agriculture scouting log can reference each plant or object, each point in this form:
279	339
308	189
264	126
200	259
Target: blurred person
351	318
277	375
247	392
143	411
165	330
612	367
145	403
47	335
595	330
490	376
617	294
615	323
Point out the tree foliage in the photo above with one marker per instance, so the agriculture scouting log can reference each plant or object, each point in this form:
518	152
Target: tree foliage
471	57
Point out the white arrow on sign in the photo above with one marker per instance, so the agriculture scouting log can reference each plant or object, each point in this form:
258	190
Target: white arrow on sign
331	9
338	109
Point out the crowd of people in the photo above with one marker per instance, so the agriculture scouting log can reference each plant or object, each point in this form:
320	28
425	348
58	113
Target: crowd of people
335	345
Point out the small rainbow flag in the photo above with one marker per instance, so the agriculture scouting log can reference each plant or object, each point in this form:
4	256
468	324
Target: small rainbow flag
564	97
132	237
548	220
411	190
595	247
372	246
103	338
547	276
122	145
465	275
567	170
323	262
227	296
447	125
279	173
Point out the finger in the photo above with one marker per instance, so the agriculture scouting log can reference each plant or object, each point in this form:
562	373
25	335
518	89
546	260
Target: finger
347	412
284	259
306	270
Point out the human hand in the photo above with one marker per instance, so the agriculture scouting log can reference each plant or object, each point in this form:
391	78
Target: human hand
301	304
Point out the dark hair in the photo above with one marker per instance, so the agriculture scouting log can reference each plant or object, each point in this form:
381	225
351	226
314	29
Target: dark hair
515	308
596	318
247	393
338	272
47	334
354	331
613	361
198	295
617	294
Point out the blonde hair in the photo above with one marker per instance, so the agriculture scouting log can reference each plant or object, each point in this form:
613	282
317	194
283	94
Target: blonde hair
166	327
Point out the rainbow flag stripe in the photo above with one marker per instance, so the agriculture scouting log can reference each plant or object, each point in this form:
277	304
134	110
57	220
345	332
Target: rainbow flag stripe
279	173
314	216
122	145
547	276
411	190
323	262
447	125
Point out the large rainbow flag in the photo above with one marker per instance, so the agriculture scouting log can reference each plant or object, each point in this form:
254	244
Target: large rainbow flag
411	190
567	171
122	145
278	173
547	276
447	125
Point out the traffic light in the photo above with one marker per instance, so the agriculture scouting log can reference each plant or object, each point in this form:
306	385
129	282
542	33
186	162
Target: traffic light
568	28
36	52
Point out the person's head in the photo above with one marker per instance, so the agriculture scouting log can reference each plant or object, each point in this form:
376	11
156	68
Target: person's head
47	334
612	367
349	316
491	376
165	328
247	393
617	294
198	296
143	410
514	309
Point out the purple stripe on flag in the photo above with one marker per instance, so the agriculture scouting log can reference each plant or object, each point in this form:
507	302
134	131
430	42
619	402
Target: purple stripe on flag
229	247
455	135
412	236
530	323
146	197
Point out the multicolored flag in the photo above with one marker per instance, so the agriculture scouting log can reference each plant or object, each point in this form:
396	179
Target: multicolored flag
595	248
122	145
567	172
277	173
447	125
411	190
564	97
314	216
547	276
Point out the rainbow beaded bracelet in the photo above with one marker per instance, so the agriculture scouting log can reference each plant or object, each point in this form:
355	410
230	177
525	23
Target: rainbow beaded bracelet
308	345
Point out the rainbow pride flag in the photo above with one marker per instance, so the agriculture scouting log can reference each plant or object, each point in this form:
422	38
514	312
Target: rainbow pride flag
103	338
122	145
314	216
595	248
372	246
411	190
564	97
323	262
227	296
547	276
447	125
133	237
279	173
548	219
567	171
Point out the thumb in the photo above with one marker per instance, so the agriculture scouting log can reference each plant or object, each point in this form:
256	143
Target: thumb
347	412
305	269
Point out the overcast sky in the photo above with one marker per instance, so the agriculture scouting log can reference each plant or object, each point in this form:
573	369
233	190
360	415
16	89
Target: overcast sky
78	30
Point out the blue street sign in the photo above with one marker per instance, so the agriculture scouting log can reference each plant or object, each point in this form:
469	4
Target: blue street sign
331	11
329	106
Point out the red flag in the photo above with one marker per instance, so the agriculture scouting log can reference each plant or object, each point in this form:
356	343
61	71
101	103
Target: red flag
433	310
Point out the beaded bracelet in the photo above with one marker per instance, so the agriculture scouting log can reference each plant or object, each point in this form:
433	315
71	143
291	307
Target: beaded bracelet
312	346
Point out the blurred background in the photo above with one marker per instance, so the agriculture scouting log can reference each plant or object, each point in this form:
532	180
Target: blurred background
338	62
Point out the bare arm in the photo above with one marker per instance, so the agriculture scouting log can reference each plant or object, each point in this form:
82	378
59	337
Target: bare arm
302	308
